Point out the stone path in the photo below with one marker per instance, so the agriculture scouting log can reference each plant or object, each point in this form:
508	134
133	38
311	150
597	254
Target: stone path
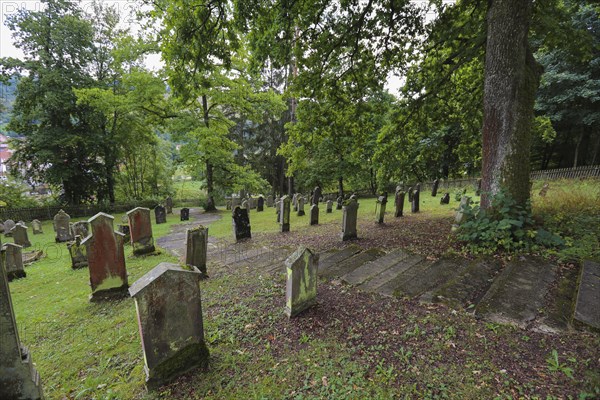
174	242
587	309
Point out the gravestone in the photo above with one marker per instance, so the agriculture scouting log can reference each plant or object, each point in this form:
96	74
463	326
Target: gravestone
329	207
196	248
314	214
78	253
339	203
169	314
295	202
270	201
284	213
8	225
260	204
349	218
278	210
317	193
544	189
184	214
235	201
228	205
445	199
460	216
36	227
434	188
478	187
241	224
410	194
81	228
106	259
160	214
124	229
13	255
245	205
140	231
169	205
18	377
399	202
300	212
62	227
380	208
301	286
251	202
20	237
415	200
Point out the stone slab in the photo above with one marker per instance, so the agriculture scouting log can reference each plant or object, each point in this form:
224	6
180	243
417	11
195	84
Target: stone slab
375	267
335	258
587	308
391	273
348	265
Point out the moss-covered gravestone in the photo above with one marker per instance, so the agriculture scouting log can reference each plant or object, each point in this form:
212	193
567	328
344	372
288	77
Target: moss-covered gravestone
301	287
380	208
169	205
81	228
62	227
13	254
284	213
460	213
399	202
19	234
196	248
270	200
18	378
78	253
300	212
8	225
160	214
314	214
169	313
241	224
140	231
329	207
36	227
106	259
349	219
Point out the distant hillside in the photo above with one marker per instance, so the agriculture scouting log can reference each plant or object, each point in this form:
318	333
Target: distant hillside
8	93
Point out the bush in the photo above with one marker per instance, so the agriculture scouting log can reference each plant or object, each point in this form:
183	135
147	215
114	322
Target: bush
13	195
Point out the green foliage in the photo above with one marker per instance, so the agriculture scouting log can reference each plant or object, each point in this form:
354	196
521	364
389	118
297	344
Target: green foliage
12	195
554	365
505	226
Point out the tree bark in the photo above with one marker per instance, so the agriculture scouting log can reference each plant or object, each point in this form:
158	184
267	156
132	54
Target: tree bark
341	186
511	80
210	199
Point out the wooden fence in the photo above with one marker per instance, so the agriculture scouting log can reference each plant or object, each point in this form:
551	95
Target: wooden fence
587	171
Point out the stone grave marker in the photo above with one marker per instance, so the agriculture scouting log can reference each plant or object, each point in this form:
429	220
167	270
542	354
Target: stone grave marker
260	204
78	253
278	210
301	286
184	214
81	228
169	314
124	229
196	248
106	259
62	227
241	224
329	207
544	189
445	198
245	205
140	231
300	212
410	194
295	202
284	213
8	225
380	208
460	216
160	214
19	234
18	377
228	205
340	203
399	202
270	201
349	218
314	214
434	188
13	254
415	200
169	205
317	193
36	227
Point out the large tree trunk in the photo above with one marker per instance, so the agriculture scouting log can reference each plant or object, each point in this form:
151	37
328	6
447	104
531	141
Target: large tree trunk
511	80
210	199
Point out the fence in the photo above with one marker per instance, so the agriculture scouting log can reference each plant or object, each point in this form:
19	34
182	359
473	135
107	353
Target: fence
587	171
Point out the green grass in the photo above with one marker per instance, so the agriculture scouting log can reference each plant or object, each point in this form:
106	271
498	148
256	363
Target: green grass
184	189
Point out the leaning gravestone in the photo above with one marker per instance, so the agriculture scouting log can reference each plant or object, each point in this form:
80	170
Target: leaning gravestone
399	202
62	227
301	286
329	207
14	261
169	314
106	259
300	212
284	213
81	228
196	248
78	253
140	231
19	234
350	216
8	225
340	203
270	201
36	227
18	377
184	214
434	188
260	204
445	199
415	200
241	224
169	205
314	214
160	214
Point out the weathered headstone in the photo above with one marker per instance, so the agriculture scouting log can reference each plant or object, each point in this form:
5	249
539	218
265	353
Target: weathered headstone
196	248
8	225
270	201
349	218
241	224
19	234
169	205
18	377
184	214
460	215
301	287
434	188
106	258
544	189
160	214
228	205
169	314
13	254
339	202
124	229
284	213
399	202
78	253
140	231
410	194
300	207
295	202
314	214
445	199
415	200
329	207
81	228
278	210
62	227
380	208
260	204
36	226
317	193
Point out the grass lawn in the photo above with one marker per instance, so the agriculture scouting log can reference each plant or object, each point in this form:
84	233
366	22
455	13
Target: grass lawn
353	345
